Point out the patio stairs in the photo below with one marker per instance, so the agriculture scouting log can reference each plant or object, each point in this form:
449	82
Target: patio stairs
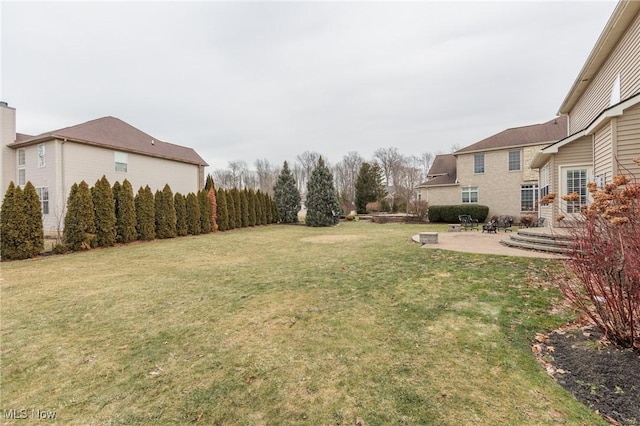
540	239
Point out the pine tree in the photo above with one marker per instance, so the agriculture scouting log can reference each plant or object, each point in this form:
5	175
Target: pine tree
223	214
104	212
33	217
287	196
244	209
125	212
180	205
251	200
205	212
13	225
170	209
209	183
79	222
231	208
193	214
145	214
369	186
322	202
260	216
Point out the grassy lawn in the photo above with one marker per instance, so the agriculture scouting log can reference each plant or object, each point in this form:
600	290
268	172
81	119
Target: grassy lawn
281	325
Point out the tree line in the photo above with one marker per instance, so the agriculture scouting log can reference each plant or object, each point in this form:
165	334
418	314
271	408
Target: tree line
400	175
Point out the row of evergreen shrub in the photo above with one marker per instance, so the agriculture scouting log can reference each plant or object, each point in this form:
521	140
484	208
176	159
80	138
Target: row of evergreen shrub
21	223
450	213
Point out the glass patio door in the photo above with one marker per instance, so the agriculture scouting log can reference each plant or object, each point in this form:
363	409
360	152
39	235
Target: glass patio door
575	179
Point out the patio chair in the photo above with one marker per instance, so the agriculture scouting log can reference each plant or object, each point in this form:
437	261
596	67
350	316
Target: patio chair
467	222
505	222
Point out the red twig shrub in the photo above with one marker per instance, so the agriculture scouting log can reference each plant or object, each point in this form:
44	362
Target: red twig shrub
602	274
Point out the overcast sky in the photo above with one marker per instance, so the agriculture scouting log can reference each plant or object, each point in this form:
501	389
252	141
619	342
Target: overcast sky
248	80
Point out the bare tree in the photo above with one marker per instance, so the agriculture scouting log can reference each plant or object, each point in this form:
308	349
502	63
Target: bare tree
389	159
345	176
238	171
266	175
410	175
426	159
307	161
455	147
223	178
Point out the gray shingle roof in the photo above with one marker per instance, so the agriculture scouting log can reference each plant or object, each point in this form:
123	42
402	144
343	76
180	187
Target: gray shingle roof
111	132
549	132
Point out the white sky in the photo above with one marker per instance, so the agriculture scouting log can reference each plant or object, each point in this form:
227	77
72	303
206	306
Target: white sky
249	80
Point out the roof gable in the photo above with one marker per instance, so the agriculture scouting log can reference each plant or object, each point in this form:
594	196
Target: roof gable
111	132
443	171
534	134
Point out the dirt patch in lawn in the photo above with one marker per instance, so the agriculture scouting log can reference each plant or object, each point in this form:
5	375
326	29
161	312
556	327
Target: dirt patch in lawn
331	239
601	375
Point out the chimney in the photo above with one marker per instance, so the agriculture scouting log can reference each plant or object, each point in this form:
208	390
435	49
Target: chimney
7	155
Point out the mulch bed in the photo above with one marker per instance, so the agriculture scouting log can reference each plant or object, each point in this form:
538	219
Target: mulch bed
600	375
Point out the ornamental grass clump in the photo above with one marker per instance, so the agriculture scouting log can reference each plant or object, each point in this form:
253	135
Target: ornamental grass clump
602	274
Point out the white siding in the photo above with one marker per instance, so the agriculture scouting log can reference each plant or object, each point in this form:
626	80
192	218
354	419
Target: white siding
623	60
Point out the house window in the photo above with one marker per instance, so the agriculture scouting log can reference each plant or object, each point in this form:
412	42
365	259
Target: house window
529	198
478	163
576	181
470	194
514	161
41	156
21	167
43	193
121	161
545	180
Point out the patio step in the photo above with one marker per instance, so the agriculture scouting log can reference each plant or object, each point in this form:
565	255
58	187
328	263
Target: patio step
540	240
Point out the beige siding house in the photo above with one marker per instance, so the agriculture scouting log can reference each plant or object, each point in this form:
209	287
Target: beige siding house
55	160
494	171
603	111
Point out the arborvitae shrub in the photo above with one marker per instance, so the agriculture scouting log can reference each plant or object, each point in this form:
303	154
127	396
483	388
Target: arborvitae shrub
125	213
180	205
193	214
105	212
33	216
251	200
205	212
287	196
322	202
244	209
211	194
237	203
13	225
231	208
165	213
145	214
79	222
223	214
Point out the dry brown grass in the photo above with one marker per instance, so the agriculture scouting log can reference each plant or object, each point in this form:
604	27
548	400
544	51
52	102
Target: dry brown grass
279	325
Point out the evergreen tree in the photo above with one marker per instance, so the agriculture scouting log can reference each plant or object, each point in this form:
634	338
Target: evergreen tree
369	186
193	214
165	213
251	201
237	203
180	205
209	183
322	202
231	208
104	212
287	196
145	214
223	214
33	216
80	222
260	216
211	193
125	212
13	225
244	208
205	212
